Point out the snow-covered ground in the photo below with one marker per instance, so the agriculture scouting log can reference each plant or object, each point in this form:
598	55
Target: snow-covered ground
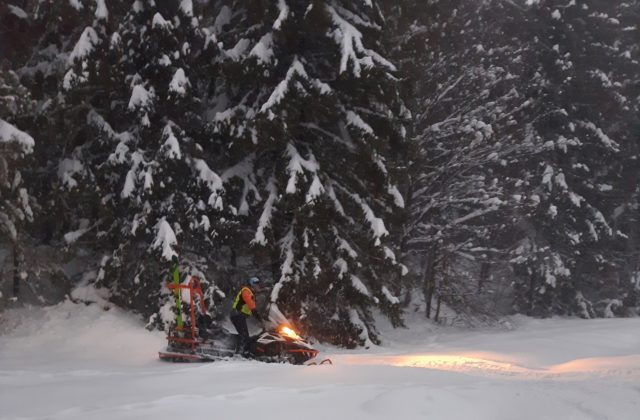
81	362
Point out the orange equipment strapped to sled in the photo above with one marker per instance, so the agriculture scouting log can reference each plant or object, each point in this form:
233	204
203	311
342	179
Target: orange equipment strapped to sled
193	287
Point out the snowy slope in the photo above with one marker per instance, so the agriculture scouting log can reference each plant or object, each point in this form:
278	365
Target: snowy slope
81	362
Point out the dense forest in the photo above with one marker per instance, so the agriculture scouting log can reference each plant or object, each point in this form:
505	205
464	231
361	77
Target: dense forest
364	158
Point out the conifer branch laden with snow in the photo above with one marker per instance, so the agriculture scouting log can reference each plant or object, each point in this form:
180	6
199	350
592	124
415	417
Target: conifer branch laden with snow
15	206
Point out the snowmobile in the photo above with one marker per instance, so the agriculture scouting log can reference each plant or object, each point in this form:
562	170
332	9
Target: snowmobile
198	341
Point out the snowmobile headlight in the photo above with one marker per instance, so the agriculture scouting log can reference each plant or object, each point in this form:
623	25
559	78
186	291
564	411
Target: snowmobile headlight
286	331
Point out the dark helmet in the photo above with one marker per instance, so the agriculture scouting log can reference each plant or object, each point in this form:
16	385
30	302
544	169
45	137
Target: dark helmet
254	281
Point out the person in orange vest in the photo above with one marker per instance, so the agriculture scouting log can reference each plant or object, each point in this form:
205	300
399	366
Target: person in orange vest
244	306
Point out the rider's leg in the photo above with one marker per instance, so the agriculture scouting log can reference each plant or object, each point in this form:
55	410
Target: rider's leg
240	322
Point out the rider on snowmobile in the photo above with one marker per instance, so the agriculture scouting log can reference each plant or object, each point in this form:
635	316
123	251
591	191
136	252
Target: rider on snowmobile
244	306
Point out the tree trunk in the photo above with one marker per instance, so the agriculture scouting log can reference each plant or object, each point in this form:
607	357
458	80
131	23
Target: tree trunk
428	278
233	258
17	268
485	269
275	264
445	282
532	286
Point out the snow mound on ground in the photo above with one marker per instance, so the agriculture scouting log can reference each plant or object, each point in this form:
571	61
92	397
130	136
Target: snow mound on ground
70	331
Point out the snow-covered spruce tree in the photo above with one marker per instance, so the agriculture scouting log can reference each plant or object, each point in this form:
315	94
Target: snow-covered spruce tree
54	26
15	200
140	72
47	48
309	107
581	78
35	36
470	113
626	216
618	293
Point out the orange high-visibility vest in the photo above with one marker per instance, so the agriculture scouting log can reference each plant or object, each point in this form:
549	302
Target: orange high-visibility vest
241	305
